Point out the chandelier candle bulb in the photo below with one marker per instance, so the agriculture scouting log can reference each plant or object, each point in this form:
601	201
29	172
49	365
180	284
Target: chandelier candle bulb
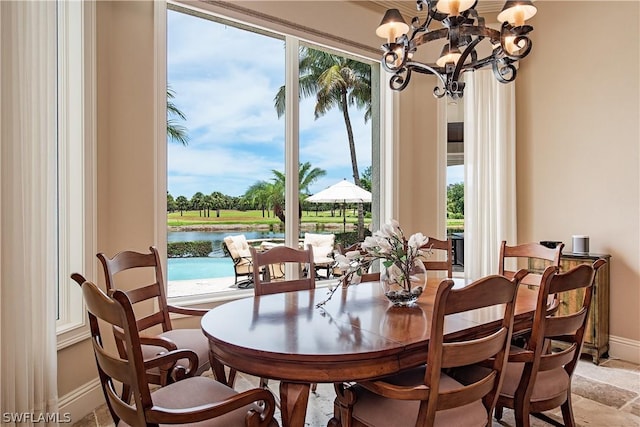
454	7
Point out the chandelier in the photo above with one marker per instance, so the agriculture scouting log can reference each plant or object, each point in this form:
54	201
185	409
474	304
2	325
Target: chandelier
462	30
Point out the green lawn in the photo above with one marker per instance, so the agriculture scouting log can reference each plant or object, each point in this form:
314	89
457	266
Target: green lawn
254	217
175	219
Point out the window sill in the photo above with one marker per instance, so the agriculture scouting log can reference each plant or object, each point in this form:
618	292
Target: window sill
215	298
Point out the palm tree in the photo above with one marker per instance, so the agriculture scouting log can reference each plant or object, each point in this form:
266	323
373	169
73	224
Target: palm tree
197	202
336	81
175	132
259	194
182	203
307	175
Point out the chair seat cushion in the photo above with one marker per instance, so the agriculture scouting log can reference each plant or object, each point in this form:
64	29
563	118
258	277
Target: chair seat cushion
192	339
375	410
195	391
548	383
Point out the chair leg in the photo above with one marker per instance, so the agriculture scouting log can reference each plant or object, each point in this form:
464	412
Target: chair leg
498	413
522	417
567	413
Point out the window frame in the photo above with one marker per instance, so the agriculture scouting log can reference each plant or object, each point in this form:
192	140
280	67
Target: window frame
76	165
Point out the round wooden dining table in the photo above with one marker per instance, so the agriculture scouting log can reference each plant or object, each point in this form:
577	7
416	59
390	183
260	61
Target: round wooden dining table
358	334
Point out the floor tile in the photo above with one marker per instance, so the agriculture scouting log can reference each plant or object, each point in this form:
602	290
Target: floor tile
604	395
600	392
611	371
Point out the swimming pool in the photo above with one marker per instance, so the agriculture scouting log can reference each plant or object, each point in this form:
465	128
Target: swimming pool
199	268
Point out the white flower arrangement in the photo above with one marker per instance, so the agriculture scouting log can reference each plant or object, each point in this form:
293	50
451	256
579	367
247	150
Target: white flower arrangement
391	247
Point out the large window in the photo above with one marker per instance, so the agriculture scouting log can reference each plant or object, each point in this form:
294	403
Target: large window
233	142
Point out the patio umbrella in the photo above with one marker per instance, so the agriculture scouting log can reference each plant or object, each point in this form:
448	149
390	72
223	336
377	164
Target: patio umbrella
342	192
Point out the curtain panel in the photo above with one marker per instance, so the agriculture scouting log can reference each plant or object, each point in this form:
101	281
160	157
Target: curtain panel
489	171
28	241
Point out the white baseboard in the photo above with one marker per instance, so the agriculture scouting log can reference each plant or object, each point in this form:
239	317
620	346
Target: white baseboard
82	401
625	349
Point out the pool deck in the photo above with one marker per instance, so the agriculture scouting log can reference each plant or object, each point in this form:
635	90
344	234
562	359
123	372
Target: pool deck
185	288
180	288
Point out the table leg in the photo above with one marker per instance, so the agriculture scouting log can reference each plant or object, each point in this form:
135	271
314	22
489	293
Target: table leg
219	372
293	403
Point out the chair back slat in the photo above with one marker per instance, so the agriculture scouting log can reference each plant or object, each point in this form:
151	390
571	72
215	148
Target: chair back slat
144	293
580	275
565	325
558	359
473	351
126	260
264	263
149	321
476	296
468	394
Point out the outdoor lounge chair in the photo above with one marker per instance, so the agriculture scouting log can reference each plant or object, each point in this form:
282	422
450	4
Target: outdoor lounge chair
322	245
238	249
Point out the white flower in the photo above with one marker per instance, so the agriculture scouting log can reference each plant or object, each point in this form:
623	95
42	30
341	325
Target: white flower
369	243
417	240
390	229
353	255
343	263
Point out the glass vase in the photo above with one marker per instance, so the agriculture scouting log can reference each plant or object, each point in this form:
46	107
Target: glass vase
402	287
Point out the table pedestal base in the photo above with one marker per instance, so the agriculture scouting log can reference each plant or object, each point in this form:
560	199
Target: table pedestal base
293	403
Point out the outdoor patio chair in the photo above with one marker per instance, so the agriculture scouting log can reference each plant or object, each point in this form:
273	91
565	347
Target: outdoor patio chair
190	400
238	249
322	246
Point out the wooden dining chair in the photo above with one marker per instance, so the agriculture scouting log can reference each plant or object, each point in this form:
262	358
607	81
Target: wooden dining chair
527	252
538	378
429	395
153	295
439	246
189	400
273	260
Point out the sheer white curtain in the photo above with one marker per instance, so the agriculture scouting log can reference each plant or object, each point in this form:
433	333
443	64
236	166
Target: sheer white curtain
489	163
28	244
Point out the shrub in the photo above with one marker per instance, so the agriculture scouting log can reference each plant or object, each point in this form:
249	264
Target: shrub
199	248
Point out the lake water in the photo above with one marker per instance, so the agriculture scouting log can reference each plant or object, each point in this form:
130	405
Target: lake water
216	264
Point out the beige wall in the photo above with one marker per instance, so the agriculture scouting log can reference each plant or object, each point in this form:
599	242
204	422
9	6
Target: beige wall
577	147
578	140
125	155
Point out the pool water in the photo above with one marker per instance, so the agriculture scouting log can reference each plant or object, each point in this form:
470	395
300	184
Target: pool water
199	268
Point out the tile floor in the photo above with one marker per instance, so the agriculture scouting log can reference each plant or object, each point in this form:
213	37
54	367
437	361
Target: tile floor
607	395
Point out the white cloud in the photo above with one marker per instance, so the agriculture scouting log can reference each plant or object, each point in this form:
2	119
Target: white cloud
225	81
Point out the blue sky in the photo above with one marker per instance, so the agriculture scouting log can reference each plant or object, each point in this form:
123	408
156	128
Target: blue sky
225	80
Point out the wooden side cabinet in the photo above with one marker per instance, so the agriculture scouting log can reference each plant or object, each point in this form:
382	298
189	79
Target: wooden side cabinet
596	340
